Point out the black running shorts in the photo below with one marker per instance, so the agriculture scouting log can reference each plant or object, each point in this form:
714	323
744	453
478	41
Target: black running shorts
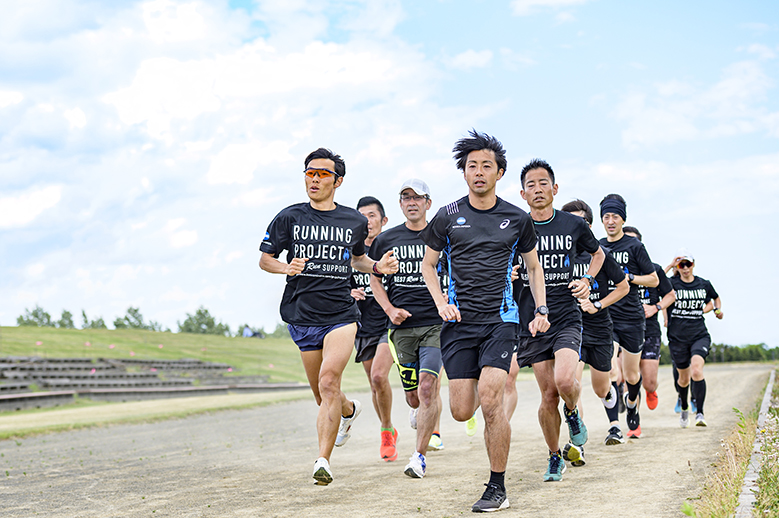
543	346
630	335
682	352
597	356
467	348
651	350
366	347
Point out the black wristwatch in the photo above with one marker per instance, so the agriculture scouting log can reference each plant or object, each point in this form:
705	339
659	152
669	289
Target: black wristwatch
659	307
541	310
597	305
631	277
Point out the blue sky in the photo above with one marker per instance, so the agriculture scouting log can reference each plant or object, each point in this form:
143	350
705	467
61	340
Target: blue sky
145	146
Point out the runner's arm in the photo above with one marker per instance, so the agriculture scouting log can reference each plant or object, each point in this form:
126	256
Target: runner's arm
272	265
650	280
448	312
396	315
535	275
387	264
668	299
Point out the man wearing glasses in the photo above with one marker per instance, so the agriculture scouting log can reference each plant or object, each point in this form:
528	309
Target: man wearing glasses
322	240
414	322
688	339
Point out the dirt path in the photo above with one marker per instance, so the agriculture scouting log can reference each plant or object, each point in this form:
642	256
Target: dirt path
258	462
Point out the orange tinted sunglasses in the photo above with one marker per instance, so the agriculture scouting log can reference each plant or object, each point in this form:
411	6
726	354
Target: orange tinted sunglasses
322	173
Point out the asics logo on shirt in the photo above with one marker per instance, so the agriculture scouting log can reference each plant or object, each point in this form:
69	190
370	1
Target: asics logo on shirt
505	223
461	221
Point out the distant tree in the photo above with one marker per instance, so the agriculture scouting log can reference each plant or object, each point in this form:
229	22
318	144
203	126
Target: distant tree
203	323
134	320
281	331
98	323
37	317
66	320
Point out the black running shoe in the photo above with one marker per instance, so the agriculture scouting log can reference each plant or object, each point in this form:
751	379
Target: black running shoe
634	420
614	437
493	499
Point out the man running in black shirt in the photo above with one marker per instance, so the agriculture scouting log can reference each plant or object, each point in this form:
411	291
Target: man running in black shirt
627	314
322	240
554	354
371	340
414	322
654	301
480	235
597	336
688	339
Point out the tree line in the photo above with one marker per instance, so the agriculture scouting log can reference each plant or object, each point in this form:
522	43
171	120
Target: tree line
201	322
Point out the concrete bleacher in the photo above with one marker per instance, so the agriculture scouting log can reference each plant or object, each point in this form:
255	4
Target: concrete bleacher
31	382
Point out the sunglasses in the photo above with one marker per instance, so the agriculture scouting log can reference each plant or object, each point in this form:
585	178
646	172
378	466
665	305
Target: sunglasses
321	173
685	264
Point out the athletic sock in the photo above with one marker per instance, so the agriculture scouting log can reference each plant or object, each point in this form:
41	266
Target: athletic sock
676	379
497	479
683	395
699	393
633	391
388	429
436	433
613	412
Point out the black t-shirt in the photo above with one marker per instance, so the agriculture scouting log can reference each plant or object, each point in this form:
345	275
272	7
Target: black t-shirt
559	238
374	320
479	248
633	258
407	289
597	326
321	294
650	297
686	323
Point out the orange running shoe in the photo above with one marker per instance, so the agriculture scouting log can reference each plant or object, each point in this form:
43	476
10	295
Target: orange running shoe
651	399
634	434
388	450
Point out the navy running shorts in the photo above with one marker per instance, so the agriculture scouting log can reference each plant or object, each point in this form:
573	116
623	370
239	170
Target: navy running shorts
543	346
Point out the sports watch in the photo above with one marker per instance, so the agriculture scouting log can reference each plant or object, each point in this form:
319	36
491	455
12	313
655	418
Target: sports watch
541	310
597	305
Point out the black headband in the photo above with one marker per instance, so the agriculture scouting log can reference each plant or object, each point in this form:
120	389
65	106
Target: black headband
615	207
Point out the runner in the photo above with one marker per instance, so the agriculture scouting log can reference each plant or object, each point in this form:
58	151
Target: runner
371	340
627	314
688	339
322	239
480	235
654	301
414	322
597	331
554	354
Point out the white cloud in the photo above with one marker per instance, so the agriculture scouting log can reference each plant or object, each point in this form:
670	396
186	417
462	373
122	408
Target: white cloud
9	98
526	7
761	51
76	117
236	162
20	210
167	21
471	59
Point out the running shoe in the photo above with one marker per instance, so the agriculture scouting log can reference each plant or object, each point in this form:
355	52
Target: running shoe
693	406
611	398
678	407
436	443
346	424
388	440
614	437
651	399
322	473
576	429
684	418
493	499
633	418
416	466
470	426
621	399
412	417
574	454
700	420
556	468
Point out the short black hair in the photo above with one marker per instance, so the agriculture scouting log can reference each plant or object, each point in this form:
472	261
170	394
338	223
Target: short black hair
536	163
476	142
340	165
370	200
579	206
614	197
632	230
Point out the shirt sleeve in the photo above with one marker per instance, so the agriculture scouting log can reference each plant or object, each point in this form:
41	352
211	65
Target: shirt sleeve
434	234
711	293
277	236
586	241
376	251
358	248
645	264
665	287
527	238
613	270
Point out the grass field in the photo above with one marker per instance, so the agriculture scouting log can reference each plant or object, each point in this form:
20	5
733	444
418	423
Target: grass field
277	358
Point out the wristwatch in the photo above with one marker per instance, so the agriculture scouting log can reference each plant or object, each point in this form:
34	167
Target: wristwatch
588	277
597	305
631	277
541	310
659	307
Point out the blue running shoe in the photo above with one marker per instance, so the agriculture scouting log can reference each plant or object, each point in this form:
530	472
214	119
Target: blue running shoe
693	406
576	429
678	407
556	468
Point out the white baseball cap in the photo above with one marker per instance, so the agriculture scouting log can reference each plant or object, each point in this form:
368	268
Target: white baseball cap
685	255
418	186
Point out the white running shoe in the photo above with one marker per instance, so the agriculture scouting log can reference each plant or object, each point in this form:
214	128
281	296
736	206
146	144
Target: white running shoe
684	418
611	398
412	417
416	466
700	420
346	424
322	473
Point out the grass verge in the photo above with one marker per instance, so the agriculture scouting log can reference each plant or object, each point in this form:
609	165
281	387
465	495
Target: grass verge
767	503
